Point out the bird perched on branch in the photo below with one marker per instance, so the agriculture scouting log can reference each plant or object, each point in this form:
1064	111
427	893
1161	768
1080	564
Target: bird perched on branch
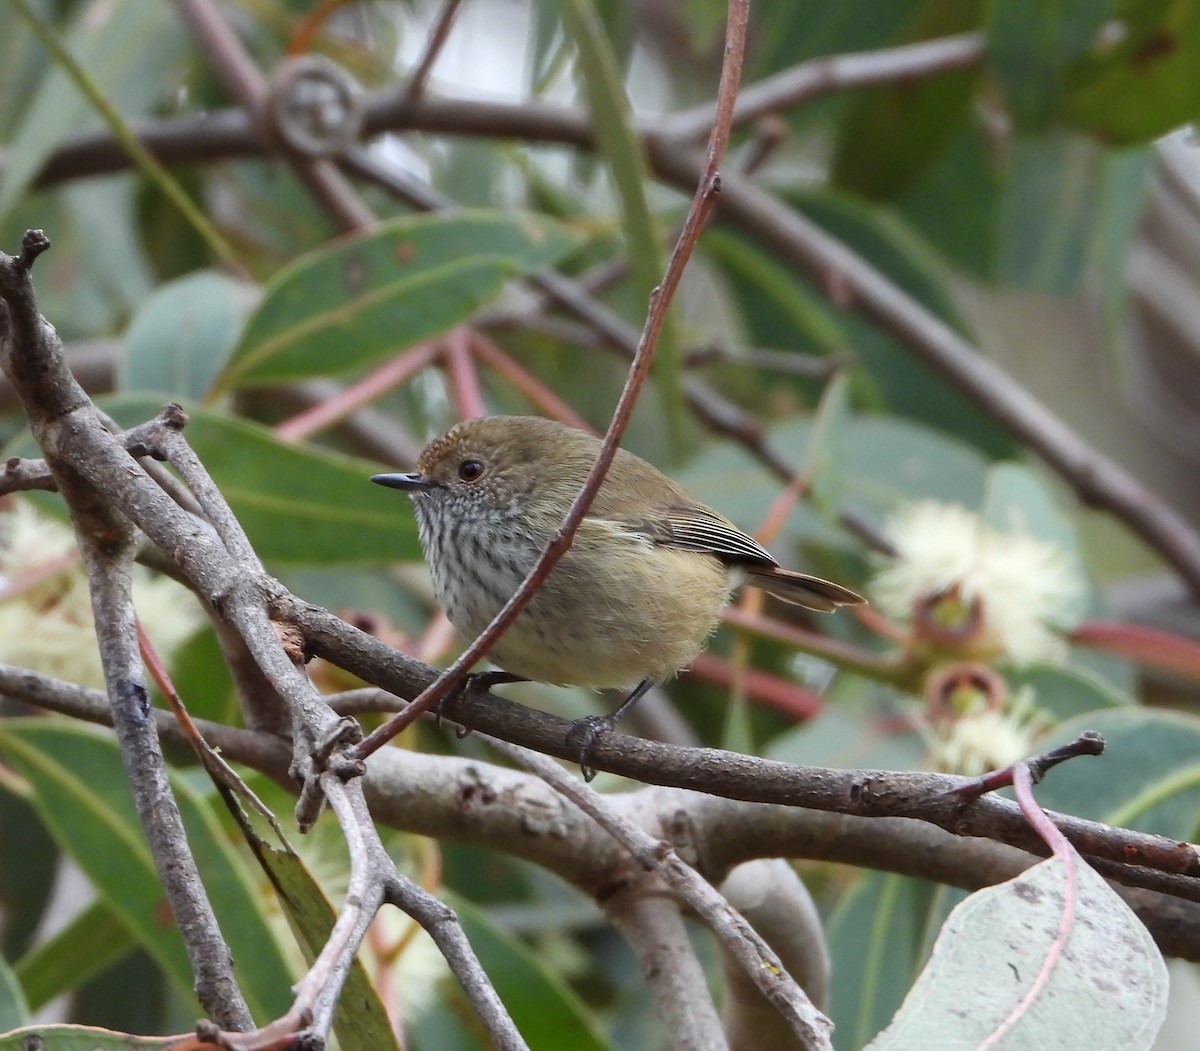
633	599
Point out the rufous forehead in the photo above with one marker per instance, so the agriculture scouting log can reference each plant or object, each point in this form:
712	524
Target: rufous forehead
437	450
450	443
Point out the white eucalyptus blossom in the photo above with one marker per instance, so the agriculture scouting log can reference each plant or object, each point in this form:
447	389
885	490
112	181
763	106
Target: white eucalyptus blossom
1027	589
46	621
989	738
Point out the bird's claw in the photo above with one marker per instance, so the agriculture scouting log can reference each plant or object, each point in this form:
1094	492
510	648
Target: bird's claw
586	732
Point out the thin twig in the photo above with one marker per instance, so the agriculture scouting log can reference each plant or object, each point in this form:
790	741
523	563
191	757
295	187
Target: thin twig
809	80
702	204
56	405
744	943
438	36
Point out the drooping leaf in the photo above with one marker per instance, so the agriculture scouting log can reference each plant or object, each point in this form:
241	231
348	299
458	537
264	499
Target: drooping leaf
893	132
1034	962
548	1014
876	936
83	797
26	875
14	1010
92	940
618	143
130	49
1030	47
361	1020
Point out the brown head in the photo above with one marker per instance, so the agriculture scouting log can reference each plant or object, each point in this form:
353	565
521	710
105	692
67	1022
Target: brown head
501	466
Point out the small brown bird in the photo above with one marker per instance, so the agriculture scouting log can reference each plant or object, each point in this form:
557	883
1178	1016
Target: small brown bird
638	593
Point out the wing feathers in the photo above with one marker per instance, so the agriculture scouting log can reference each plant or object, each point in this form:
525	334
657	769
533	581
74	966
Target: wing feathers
696	528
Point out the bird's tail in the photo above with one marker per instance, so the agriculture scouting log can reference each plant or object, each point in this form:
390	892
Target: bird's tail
801	589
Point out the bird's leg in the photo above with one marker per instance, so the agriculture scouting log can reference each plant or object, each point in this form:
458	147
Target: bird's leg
480	680
591	728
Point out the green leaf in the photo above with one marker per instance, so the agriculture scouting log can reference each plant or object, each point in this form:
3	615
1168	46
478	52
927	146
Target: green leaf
298	503
779	309
86	946
880	460
877	934
130	48
361	1021
1067	693
14	1010
1017	500
26	875
893	133
359	300
81	1038
178	341
1148	777
909	386
542	1006
83	798
1031	46
1106	985
1142	84
1049	212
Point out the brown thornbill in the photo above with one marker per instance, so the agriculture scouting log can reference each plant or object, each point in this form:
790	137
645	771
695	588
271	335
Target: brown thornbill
634	598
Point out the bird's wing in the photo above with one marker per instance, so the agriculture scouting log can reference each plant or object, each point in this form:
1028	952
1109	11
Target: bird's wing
696	528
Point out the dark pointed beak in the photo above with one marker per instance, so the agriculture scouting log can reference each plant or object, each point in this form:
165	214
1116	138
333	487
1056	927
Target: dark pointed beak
410	483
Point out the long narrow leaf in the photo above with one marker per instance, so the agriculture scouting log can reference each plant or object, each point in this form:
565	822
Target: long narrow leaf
358	301
83	798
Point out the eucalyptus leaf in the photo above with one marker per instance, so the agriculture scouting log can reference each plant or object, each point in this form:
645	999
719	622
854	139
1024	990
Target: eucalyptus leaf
81	1038
548	1014
83	797
92	940
357	301
14	1011
131	49
876	937
1148	777
1052	958
178	341
298	503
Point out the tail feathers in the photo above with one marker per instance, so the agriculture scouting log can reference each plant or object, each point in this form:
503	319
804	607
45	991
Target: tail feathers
803	590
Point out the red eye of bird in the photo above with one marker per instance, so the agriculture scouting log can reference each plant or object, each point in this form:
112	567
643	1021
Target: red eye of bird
470	470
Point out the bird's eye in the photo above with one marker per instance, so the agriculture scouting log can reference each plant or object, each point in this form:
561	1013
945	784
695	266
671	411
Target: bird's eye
469	470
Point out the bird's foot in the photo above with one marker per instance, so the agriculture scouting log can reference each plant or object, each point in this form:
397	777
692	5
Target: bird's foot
586	733
480	680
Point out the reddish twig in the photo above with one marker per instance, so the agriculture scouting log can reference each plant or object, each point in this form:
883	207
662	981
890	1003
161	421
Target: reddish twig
387	377
1087	743
548	403
1023	781
702	206
788	697
464	380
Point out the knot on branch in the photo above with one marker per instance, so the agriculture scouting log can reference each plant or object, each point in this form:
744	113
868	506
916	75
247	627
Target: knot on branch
33	244
314	107
173	416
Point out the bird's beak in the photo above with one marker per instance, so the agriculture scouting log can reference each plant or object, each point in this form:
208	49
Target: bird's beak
410	483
